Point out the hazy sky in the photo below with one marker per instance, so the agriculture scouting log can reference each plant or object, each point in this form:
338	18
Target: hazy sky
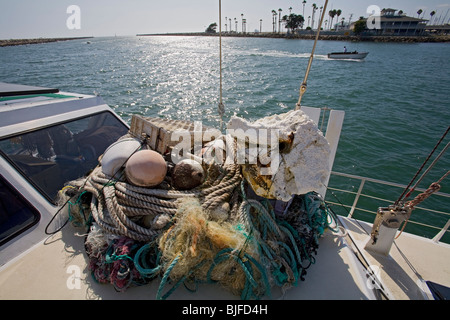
48	18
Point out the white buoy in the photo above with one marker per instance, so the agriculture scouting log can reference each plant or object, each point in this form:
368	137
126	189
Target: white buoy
116	155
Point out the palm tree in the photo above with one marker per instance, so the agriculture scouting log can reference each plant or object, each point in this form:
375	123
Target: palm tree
338	13
242	27
279	20
274	19
290	10
320	13
260	25
235	24
419	12
332	13
314	6
432	13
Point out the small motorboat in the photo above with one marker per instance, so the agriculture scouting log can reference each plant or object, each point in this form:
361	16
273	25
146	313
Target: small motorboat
347	55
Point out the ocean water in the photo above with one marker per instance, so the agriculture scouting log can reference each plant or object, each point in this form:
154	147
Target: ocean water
396	100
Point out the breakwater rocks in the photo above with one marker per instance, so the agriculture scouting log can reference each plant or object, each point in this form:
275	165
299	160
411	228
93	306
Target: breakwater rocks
312	36
20	42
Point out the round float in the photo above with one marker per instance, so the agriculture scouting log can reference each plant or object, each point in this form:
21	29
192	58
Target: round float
146	168
117	154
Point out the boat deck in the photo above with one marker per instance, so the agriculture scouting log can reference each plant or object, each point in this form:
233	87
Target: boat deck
58	257
411	261
57	269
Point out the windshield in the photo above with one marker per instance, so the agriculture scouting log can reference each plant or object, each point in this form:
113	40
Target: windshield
51	156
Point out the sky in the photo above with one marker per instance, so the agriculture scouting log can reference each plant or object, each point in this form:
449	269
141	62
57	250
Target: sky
21	19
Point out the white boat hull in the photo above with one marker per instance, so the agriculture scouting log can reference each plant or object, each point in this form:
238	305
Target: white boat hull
349	55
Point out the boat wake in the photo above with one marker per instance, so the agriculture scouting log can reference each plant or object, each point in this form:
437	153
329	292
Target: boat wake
284	54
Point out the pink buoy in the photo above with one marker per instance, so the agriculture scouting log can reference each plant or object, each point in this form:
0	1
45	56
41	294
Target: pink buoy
146	168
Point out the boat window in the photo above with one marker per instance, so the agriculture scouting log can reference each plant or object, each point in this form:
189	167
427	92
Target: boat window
51	156
16	213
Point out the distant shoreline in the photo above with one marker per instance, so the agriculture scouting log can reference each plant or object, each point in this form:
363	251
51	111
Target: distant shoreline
311	36
21	42
335	37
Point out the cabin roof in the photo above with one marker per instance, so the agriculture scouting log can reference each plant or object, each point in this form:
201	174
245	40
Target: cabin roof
12	89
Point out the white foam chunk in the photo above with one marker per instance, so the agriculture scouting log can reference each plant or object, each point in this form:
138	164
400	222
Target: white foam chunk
303	157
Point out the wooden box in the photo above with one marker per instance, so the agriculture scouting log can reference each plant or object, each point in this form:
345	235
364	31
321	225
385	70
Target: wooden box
159	131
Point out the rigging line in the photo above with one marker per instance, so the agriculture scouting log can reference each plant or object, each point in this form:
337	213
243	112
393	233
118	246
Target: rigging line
421	197
303	85
81	187
361	258
355	248
46	230
345	208
428	170
423	165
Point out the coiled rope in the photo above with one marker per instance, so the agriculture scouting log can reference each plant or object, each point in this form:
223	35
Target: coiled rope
116	204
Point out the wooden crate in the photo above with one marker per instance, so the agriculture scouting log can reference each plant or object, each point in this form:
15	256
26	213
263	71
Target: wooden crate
159	131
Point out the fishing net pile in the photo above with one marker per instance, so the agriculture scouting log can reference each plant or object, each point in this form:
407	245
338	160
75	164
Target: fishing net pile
217	230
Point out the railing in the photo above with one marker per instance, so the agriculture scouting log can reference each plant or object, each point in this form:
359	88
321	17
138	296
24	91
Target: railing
362	195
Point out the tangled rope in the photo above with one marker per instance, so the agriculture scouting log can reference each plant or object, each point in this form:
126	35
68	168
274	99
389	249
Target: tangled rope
138	234
286	241
118	260
434	187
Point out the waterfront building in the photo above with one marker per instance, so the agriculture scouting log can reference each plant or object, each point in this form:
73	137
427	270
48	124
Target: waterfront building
395	22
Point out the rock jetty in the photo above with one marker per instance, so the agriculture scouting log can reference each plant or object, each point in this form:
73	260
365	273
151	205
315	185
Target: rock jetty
19	42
